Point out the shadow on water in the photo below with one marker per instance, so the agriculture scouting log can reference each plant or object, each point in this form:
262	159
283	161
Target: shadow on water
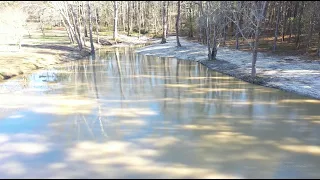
124	115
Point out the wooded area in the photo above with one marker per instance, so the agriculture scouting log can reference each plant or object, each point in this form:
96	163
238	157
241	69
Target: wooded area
275	26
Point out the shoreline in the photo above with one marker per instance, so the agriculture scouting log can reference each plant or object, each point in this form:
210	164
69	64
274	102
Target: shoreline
31	64
287	73
38	52
35	55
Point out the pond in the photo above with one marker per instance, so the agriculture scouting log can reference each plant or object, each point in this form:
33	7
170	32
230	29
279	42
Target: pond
125	115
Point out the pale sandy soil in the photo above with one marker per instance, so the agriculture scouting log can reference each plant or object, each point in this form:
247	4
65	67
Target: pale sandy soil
289	73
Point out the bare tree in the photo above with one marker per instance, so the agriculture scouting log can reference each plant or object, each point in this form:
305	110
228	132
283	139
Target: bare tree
97	25
115	21
12	27
318	51
212	22
164	23
238	21
178	23
312	15
299	24
63	7
258	11
129	16
139	19
167	18
90	29
41	12
276	30
84	20
208	33
254	13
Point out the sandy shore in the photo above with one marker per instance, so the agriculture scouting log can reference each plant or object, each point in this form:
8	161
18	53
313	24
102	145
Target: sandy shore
40	52
289	73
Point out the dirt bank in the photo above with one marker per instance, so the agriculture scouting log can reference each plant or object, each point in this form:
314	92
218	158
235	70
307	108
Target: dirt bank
38	52
289	73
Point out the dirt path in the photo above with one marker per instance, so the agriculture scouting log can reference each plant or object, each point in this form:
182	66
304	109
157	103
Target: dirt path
289	73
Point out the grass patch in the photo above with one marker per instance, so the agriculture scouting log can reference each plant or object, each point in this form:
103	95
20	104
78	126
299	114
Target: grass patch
105	33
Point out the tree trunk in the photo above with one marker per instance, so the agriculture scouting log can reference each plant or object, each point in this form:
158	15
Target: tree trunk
293	24
319	44
241	21
65	14
164	23
224	32
85	30
42	28
143	15
299	25
68	31
156	25
167	18
291	21
310	29
291	29
75	32
237	37
115	22
259	16
123	17
139	19
97	26
177	25
84	19
238	25
128	11
208	38
285	18
90	30
276	30
79	17
255	50
191	20
132	15
214	48
76	29
147	23
199	22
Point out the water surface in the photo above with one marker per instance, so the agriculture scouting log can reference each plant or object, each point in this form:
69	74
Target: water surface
125	115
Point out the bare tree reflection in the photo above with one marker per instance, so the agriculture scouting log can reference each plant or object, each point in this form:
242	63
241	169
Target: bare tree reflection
119	71
163	60
97	98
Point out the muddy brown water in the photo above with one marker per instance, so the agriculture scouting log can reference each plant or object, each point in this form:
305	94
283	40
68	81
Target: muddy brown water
126	115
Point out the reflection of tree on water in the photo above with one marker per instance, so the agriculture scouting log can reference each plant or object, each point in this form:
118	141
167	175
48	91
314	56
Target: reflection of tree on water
48	77
97	98
178	83
43	80
119	71
165	82
82	74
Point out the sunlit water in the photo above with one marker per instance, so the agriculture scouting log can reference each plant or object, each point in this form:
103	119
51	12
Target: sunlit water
125	115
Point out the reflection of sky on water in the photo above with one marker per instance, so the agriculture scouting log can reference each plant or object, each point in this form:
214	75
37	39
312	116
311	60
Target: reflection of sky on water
127	115
25	122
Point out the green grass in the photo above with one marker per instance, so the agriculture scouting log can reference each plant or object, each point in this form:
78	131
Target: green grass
106	33
52	38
